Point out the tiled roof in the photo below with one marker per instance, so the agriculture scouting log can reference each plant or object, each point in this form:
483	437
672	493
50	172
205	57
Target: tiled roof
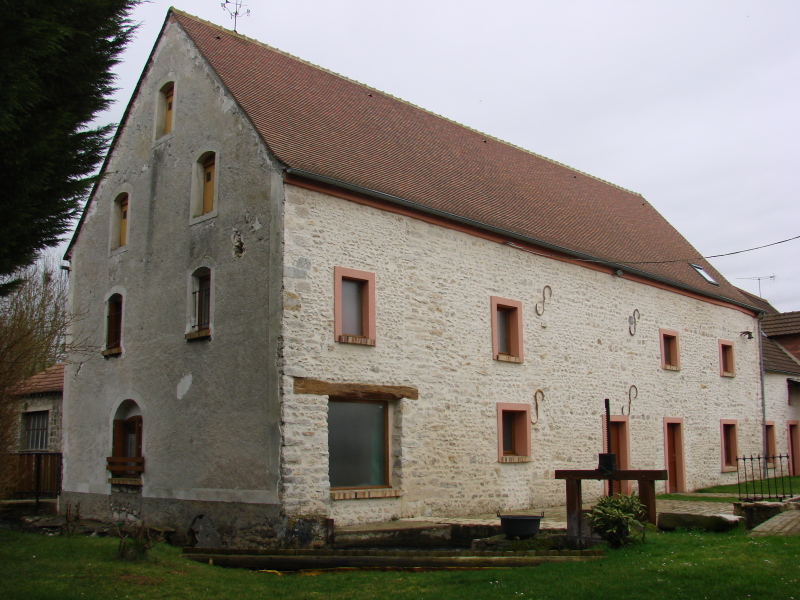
318	122
49	381
776	358
758	302
787	323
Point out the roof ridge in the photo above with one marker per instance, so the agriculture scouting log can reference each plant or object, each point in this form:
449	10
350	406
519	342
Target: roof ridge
393	97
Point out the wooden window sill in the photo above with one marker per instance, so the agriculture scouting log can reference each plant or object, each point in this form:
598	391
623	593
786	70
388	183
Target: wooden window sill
729	469
125	480
112	352
200	334
727	374
365	494
513	458
355	339
671	368
509	358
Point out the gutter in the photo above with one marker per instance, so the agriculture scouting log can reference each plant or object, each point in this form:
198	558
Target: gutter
504	232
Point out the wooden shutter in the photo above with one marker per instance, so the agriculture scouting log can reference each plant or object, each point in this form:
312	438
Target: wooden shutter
118	441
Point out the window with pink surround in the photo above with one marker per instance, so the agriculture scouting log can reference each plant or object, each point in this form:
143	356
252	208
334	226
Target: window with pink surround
670	350
728	435
354	306
727	366
506	330
513	432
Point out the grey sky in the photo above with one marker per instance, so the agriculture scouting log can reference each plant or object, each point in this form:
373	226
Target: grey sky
695	105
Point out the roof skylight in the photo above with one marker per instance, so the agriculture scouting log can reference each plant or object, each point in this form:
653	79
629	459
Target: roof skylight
704	274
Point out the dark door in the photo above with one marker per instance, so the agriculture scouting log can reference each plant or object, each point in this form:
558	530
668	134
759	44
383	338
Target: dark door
674	453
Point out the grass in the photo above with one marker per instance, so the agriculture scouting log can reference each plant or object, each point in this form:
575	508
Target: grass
698	498
794	481
674	566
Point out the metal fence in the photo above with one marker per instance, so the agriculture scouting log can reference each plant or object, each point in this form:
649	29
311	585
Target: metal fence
38	475
763	477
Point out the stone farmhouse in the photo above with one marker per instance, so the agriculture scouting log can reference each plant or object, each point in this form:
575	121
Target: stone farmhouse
313	301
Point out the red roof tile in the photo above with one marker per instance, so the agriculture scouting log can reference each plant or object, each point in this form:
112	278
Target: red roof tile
321	123
758	302
777	358
787	323
49	381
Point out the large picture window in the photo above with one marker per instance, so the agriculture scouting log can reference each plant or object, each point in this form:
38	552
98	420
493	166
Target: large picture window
358	443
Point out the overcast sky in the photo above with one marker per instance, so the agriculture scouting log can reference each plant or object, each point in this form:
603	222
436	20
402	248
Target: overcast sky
693	104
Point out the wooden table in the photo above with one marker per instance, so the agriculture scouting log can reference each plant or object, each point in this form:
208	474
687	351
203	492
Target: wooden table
647	491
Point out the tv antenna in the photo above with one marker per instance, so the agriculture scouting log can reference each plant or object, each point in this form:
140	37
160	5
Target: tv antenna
236	11
769	277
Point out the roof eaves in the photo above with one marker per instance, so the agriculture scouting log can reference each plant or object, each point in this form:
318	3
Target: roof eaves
486	227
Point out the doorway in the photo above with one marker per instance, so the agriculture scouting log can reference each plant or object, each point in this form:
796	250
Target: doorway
673	455
620	445
794	447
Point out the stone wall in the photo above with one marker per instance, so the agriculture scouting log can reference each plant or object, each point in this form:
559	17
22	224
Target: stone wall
433	289
210	408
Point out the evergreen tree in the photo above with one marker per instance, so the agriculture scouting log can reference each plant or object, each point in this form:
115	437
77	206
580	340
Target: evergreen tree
55	77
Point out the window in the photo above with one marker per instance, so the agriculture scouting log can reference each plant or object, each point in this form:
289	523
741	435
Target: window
770	443
727	367
126	460
358	443
114	326
354	306
200	310
514	432
670	358
166	110
204	185
36	430
506	330
728	434
704	274
119	221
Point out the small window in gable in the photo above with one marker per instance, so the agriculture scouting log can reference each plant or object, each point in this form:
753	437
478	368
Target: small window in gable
166	110
119	221
204	188
704	274
670	357
200	311
514	432
506	330
727	367
729	444
113	326
354	306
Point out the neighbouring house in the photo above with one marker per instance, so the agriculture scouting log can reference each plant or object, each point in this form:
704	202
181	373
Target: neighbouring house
38	456
312	301
781	344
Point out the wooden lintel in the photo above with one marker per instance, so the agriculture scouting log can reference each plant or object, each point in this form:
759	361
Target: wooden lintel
357	391
616	475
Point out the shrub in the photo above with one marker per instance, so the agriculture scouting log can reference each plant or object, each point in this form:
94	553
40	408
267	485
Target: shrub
135	542
618	519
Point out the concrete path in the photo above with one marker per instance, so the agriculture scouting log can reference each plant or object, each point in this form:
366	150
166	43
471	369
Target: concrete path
555	517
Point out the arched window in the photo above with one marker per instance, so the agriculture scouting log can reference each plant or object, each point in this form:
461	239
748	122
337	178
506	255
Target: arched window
204	189
200	307
166	109
114	326
127	460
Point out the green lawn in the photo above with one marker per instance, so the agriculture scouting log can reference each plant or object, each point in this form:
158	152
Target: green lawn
782	483
679	565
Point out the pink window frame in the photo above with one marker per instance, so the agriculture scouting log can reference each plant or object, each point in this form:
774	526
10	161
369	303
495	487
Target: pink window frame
522	432
367	309
515	345
726	468
662	335
771	446
722	344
